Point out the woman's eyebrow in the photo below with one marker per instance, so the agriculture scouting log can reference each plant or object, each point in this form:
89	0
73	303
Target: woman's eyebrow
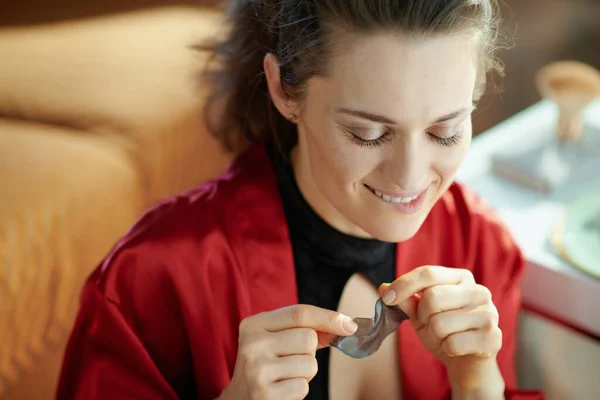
382	119
367	115
455	114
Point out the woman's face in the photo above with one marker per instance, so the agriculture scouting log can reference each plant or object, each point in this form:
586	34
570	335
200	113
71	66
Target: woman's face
382	135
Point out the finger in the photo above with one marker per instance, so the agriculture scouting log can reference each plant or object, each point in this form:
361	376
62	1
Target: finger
441	298
447	323
325	339
383	288
306	316
422	278
478	343
293	389
409	306
289	367
294	341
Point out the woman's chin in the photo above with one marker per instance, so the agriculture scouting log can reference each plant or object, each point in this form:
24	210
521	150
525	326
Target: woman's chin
395	231
396	237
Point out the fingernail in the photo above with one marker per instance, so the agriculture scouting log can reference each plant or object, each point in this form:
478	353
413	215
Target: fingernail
349	325
389	297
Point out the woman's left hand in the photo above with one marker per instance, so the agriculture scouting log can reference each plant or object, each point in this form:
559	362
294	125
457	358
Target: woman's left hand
455	319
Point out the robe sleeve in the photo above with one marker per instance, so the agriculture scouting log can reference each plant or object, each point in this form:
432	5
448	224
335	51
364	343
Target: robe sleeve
501	264
147	327
105	359
129	340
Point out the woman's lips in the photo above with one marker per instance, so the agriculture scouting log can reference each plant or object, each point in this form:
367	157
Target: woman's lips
406	202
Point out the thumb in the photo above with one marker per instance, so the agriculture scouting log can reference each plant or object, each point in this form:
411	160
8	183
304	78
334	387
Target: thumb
409	306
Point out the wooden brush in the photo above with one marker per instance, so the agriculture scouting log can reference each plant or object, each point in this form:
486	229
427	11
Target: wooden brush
571	85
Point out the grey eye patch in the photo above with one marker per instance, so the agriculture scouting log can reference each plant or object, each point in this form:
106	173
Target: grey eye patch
371	331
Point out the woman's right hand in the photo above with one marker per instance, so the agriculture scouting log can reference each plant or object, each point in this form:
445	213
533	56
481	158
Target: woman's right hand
276	353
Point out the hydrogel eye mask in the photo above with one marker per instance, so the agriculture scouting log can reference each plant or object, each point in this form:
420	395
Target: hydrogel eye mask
371	331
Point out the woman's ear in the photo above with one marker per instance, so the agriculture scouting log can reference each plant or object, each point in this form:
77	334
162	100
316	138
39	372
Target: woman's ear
286	106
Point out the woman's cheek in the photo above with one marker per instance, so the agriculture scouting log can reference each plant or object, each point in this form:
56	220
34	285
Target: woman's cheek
341	157
356	162
449	159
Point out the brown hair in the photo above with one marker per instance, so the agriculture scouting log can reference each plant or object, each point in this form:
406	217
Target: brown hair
296	32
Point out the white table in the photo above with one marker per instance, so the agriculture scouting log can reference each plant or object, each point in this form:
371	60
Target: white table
550	286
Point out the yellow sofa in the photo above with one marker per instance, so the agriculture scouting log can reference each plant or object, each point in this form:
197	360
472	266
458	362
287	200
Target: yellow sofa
99	119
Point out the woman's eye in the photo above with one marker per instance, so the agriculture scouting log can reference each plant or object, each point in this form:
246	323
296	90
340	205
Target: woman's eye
375	138
364	137
361	138
445	139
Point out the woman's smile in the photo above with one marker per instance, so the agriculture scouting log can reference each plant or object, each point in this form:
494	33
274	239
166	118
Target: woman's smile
406	202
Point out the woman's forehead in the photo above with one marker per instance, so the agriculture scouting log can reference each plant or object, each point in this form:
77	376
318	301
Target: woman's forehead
391	74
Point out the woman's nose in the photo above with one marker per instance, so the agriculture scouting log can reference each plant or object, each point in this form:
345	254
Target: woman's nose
410	162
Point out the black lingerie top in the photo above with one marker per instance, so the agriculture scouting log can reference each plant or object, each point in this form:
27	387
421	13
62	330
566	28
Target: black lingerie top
325	258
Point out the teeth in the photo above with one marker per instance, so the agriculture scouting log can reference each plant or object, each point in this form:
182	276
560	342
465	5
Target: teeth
396	200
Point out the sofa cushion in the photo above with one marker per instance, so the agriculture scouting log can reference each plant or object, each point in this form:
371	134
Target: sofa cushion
67	196
131	76
121	73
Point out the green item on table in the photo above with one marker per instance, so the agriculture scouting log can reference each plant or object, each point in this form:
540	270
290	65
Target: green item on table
578	237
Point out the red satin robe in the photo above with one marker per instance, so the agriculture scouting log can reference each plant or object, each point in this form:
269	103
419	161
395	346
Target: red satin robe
159	317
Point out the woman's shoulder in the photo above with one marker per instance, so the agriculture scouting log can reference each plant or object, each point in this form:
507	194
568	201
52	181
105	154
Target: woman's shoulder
188	234
163	280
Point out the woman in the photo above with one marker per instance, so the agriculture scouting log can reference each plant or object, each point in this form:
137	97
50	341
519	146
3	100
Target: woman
355	116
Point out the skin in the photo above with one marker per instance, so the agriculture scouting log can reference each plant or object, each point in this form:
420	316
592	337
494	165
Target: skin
414	84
